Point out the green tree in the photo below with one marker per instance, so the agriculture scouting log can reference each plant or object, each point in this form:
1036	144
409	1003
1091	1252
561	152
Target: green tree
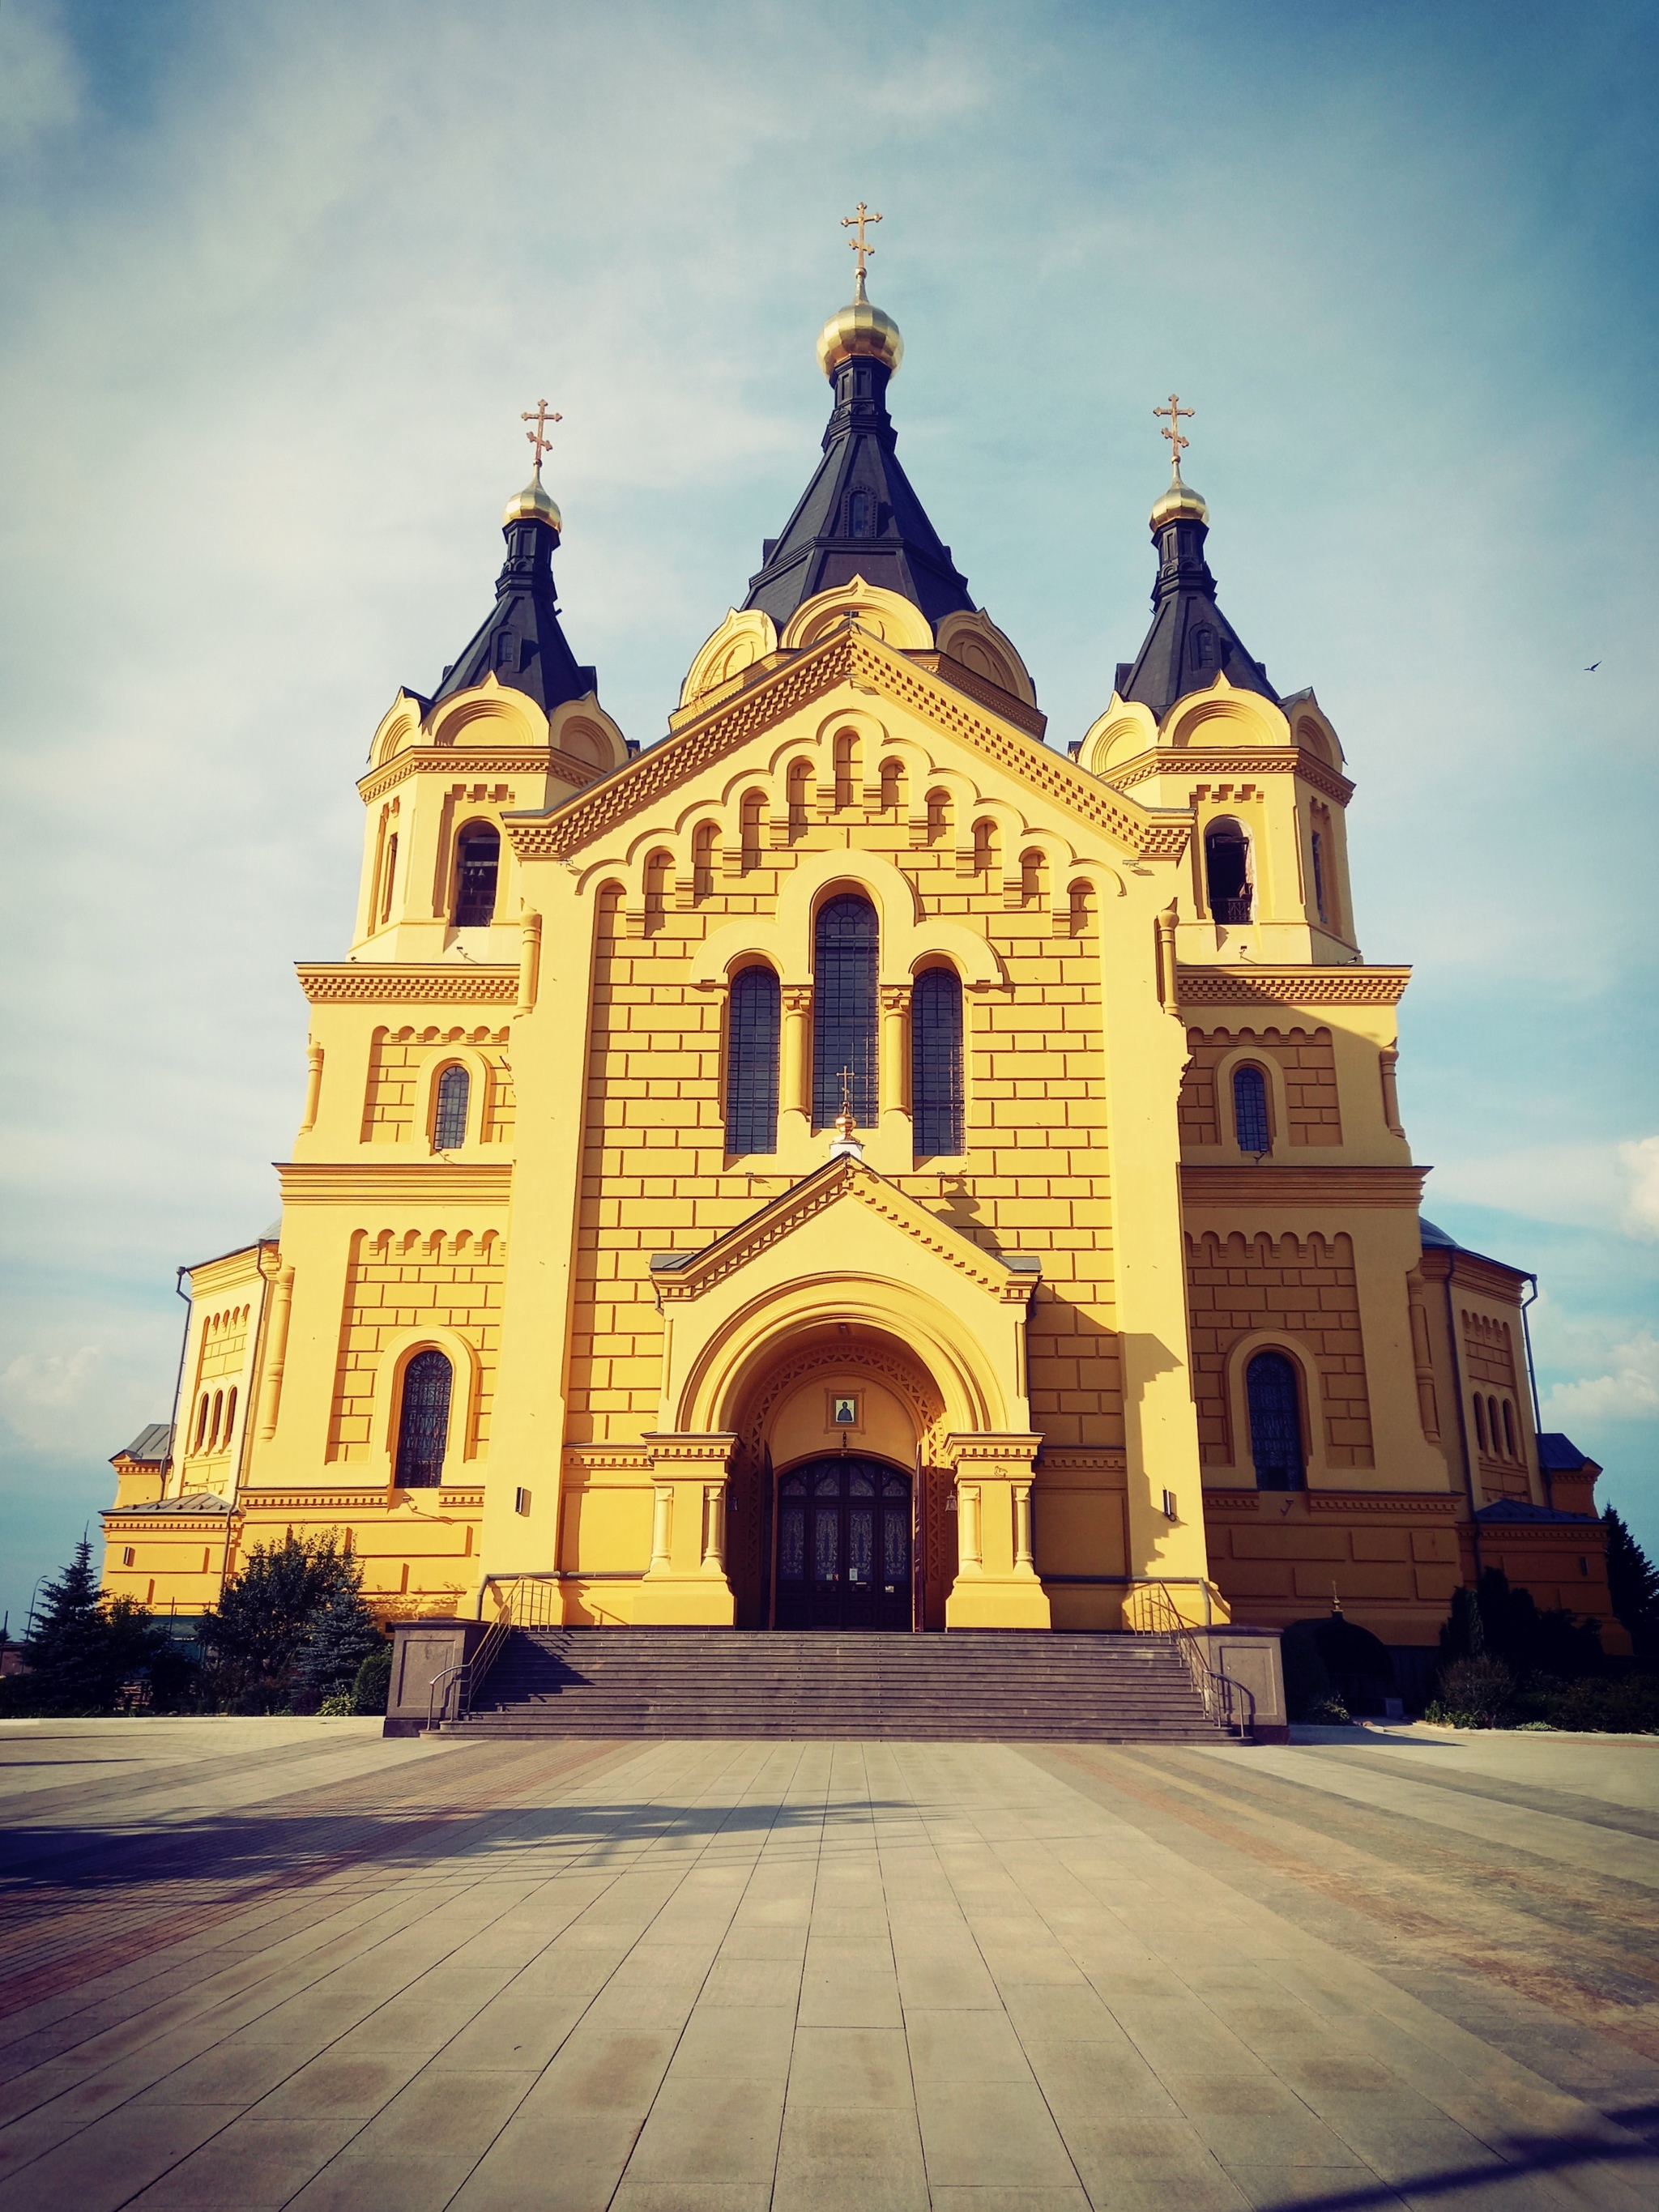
255	1634
1633	1580
343	1633
83	1647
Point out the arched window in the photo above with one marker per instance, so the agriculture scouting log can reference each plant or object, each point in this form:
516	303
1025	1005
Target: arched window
892	785
985	848
1250	1124
1480	1421
1509	1432
702	860
939	816
1275	1423
230	1418
1319	874
1078	920
449	1118
1227	871
1491	1416
799	785
861	513
390	876
753	808
657	869
218	1409
478	864
201	1422
847	768
1033	878
844	1009
936	1091
751	1063
424	1421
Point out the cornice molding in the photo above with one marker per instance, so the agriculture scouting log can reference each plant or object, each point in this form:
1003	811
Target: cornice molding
851	655
147	1519
588	1460
399	983
1081	1459
1281	1187
847	1181
1229	763
464	761
1414	1505
1355	985
434	1182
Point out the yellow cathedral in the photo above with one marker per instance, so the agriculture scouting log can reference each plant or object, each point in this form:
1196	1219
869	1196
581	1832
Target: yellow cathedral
852	1163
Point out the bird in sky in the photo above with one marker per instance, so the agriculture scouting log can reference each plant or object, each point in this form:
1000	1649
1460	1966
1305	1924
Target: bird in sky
1591	669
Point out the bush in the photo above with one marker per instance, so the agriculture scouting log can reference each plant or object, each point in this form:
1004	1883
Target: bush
88	1654
372	1686
257	1636
1477	1692
337	1707
1497	1622
1627	1708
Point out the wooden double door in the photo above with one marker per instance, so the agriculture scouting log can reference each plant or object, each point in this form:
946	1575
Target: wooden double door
844	1545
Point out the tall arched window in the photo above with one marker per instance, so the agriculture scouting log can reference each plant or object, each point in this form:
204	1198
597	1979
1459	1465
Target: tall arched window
1492	1415
754	807
702	860
424	1421
1508	1431
449	1117
751	1063
1250	1124
1481	1421
1319	874
1227	871
1275	1423
201	1422
219	1407
230	1418
844	1009
936	1091
478	864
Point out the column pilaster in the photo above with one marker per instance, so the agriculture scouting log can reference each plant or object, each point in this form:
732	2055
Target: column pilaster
686	1585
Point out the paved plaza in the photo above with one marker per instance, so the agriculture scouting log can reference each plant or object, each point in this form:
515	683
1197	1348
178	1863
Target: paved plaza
287	1963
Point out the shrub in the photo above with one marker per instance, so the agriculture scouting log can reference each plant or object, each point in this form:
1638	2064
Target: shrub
372	1686
264	1619
1477	1692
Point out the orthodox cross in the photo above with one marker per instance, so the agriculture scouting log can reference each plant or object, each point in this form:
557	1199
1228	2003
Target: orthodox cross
1174	410
861	245
846	1090
538	437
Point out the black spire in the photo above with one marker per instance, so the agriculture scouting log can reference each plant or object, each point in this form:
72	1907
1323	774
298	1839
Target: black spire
522	641
858	516
1191	642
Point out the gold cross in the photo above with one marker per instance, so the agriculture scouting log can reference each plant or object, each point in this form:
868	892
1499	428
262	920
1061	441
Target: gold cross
847	1091
1174	410
861	245
538	437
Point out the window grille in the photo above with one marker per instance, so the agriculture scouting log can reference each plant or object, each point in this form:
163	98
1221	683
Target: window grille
751	1063
1250	1110
1275	1423
449	1122
936	1087
475	890
424	1421
1227	871
844	1010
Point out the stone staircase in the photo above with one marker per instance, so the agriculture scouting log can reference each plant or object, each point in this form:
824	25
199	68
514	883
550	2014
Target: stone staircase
1009	1685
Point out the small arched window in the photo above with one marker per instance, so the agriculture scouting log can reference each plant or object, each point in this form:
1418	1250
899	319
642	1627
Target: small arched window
424	1421
844	1010
1319	874
892	787
939	816
1491	1416
847	768
218	1410
861	513
1227	871
230	1418
1275	1423
702	860
985	848
478	864
657	869
936	1086
751	1063
800	781
449	1116
390	876
1480	1421
201	1422
1509	1432
1078	917
1250	1124
1033	878
754	807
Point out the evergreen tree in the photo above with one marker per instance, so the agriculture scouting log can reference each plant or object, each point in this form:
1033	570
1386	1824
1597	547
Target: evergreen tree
83	1647
255	1633
343	1633
1633	1580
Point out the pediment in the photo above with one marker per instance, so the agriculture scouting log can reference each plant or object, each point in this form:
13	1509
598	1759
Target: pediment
851	656
876	1212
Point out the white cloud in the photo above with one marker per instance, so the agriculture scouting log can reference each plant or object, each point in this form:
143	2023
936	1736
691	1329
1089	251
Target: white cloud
1628	1392
39	1388
38	87
1640	1161
1575	1183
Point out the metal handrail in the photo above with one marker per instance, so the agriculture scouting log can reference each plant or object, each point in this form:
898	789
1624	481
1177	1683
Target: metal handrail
1228	1702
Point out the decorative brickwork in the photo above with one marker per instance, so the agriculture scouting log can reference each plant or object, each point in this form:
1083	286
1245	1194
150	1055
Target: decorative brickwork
373	983
1347	985
1305	1296
1308	1063
397	1061
398	1283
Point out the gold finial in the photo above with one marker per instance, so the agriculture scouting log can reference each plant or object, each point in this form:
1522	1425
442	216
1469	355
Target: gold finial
539	438
1174	410
861	245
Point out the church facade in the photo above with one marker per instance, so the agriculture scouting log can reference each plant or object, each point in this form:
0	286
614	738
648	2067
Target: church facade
851	1161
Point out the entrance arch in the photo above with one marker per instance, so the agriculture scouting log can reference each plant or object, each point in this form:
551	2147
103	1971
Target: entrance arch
845	1550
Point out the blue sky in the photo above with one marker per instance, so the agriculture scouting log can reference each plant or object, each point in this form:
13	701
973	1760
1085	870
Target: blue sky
279	279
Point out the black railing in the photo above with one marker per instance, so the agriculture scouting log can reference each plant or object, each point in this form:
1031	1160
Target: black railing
1231	909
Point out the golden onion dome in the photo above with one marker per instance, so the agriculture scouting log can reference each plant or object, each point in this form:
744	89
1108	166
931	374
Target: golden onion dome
533	504
859	328
1180	502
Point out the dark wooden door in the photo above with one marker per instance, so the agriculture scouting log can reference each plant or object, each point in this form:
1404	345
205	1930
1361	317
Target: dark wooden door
844	1545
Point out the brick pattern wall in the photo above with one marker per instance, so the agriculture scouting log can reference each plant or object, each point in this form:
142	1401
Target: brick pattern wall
1308	1063
398	1060
395	1283
1033	1177
1303	1294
